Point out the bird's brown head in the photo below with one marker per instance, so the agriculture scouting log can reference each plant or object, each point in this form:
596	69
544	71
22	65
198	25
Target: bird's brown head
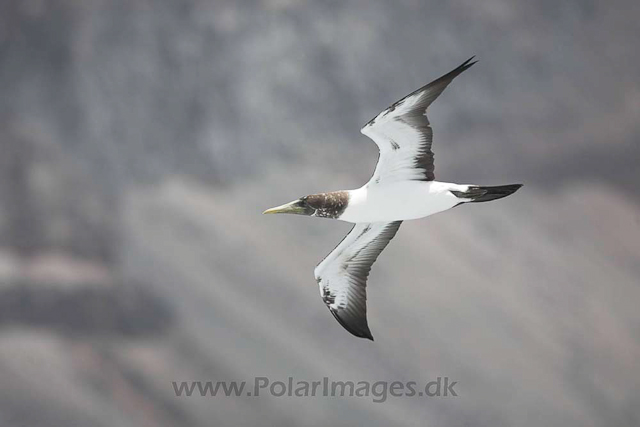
325	205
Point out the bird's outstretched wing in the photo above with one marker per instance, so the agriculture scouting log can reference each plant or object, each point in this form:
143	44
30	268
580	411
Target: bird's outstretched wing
403	134
342	275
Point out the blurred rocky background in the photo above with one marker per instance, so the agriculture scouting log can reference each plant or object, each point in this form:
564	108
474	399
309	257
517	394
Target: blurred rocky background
140	141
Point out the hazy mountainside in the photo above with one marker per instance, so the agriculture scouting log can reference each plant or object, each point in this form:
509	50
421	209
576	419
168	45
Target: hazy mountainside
532	314
142	139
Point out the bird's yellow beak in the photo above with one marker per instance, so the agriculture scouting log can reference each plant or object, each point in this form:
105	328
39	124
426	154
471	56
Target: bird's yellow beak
290	208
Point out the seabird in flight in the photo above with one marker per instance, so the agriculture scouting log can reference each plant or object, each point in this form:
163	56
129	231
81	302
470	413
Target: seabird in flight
402	187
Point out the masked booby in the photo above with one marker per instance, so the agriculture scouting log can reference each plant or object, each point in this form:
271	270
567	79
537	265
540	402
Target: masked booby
402	187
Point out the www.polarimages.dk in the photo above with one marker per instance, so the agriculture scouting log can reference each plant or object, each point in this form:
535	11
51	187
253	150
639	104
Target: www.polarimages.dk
379	391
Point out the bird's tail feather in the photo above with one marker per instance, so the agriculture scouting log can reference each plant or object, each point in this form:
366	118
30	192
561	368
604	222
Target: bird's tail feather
477	194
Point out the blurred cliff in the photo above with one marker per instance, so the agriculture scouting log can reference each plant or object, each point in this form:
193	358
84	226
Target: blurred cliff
140	140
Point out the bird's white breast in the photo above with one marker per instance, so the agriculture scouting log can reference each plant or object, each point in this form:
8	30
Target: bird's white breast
400	201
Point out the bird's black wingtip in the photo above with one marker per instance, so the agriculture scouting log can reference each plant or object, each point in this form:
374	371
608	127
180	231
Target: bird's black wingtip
360	332
468	63
363	333
366	334
447	78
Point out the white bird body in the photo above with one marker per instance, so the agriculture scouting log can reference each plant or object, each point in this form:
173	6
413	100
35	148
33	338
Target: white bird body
402	187
402	200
